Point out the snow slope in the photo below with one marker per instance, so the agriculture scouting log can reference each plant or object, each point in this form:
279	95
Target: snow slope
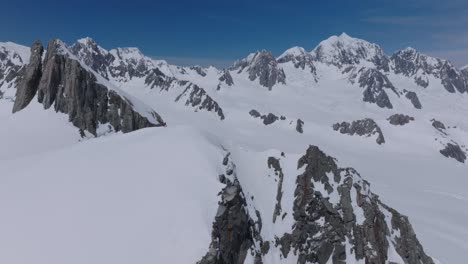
134	198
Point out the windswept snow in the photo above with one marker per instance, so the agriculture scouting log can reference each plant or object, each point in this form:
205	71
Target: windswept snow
143	197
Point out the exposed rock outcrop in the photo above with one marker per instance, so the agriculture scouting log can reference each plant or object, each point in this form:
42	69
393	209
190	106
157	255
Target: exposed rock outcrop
411	63
300	58
300	126
13	58
454	151
438	125
364	127
263	66
75	91
156	78
233	230
268	119
343	221
27	88
199	99
226	78
374	83
274	164
413	97
400	119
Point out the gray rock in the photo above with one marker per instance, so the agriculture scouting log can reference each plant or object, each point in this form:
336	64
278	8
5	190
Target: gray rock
27	88
254	113
262	66
299	126
199	70
269	119
73	90
413	97
12	67
300	59
198	98
233	230
321	229
410	62
226	78
89	52
374	83
274	163
156	78
400	119
438	125
364	127
454	151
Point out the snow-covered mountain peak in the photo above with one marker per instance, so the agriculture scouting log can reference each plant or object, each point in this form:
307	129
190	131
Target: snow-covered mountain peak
299	57
15	53
464	68
345	50
87	41
294	51
262	65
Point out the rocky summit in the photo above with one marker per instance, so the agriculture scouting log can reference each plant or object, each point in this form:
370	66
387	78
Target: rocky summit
259	162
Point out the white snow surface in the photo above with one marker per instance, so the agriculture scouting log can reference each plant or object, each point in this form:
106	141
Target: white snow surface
144	196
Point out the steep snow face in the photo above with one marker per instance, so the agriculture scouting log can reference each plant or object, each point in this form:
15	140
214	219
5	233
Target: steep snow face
344	50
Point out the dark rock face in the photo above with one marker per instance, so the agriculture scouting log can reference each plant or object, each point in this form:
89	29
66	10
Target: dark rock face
268	119
411	63
438	125
11	70
93	56
27	88
454	151
73	90
300	58
299	126
364	127
452	79
226	78
324	226
274	163
374	83
233	229
198	70
156	78
413	97
262	65
255	113
198	98
400	119
121	64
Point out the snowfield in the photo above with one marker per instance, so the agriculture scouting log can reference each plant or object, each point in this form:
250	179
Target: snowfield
134	198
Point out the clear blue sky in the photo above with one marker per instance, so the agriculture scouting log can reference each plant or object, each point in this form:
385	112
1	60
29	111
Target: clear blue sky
218	32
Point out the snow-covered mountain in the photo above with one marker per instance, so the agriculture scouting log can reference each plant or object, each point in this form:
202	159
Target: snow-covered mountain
309	157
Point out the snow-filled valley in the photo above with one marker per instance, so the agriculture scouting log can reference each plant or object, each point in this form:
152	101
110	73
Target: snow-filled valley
208	165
